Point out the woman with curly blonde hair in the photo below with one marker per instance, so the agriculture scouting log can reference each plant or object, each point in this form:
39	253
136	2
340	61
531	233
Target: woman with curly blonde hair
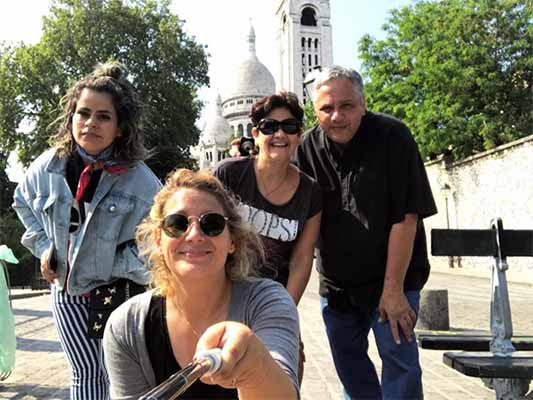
203	258
80	202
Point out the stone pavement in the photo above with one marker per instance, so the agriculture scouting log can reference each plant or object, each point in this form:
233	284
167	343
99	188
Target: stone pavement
41	370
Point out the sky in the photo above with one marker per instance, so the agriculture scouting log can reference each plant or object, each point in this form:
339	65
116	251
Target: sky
223	25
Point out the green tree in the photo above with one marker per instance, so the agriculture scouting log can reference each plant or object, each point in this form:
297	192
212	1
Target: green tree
309	115
165	64
458	72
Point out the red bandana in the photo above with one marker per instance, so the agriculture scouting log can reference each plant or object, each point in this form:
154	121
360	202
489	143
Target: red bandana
88	170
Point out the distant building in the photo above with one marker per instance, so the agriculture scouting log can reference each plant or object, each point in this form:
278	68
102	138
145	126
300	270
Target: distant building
214	138
304	43
252	81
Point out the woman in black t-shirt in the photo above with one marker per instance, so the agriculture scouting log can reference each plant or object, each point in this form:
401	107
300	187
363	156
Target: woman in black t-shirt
282	203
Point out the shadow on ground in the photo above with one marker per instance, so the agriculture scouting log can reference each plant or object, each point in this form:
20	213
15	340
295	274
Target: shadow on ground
32	313
16	391
37	345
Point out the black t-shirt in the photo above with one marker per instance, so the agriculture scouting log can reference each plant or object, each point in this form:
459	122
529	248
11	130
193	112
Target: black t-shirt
278	225
371	184
75	167
163	361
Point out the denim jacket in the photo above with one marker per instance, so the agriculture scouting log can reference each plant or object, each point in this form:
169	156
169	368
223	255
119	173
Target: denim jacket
105	249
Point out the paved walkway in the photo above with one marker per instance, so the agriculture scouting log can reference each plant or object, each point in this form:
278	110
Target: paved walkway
41	371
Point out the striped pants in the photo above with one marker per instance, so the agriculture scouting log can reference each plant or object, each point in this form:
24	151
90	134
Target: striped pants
85	356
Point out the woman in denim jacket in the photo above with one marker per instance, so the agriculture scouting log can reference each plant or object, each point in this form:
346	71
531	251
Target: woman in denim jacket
80	203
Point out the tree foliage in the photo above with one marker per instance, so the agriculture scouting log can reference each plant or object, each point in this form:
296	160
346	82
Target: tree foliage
165	65
310	119
458	72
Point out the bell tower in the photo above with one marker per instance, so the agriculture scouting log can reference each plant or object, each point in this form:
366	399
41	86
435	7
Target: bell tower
303	40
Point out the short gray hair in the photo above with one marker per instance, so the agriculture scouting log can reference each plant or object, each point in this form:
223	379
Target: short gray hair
335	72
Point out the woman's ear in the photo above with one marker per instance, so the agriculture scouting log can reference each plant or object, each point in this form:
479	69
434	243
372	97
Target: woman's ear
255	132
232	248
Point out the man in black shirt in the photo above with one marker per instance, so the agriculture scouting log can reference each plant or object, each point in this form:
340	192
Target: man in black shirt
372	255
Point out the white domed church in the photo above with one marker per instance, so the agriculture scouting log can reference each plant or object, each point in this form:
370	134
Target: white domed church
303	43
252	81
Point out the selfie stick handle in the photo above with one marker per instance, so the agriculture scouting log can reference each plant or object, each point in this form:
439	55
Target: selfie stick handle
204	363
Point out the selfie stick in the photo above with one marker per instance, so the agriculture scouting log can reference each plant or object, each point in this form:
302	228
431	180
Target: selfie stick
205	363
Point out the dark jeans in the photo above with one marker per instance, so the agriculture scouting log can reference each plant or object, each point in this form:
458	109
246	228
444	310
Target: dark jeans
348	330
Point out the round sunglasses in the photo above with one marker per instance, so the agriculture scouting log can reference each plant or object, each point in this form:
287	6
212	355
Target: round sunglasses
269	126
211	224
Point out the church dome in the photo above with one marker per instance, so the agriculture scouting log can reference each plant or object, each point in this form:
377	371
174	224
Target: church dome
251	77
217	130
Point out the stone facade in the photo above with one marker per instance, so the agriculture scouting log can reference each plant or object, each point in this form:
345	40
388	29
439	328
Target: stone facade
304	41
471	192
252	81
213	143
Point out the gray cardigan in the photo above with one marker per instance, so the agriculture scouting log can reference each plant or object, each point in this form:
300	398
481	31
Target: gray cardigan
262	304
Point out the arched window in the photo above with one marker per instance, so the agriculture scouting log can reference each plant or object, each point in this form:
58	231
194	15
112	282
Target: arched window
309	58
316	59
303	59
309	41
249	130
303	42
316	43
240	130
308	17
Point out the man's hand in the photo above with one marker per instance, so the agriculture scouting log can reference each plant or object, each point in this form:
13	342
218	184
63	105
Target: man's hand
394	307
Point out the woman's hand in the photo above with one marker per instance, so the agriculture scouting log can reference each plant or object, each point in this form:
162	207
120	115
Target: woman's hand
240	348
246	363
46	270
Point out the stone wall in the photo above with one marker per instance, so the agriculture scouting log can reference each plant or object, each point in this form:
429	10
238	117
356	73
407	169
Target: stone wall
470	192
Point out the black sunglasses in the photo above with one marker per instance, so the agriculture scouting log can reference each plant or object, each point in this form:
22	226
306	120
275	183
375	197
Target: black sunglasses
211	224
269	126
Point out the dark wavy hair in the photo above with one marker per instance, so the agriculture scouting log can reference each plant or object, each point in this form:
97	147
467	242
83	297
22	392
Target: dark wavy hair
108	78
265	105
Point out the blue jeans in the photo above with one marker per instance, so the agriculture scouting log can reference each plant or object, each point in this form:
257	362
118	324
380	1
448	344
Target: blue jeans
401	376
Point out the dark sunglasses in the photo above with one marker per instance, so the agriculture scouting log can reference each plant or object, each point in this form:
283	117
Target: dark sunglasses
269	126
211	224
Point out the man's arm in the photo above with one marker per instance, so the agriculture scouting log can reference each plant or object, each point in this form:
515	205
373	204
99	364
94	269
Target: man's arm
393	305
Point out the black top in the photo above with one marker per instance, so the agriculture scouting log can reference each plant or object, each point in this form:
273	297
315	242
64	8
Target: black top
75	167
278	225
370	185
163	361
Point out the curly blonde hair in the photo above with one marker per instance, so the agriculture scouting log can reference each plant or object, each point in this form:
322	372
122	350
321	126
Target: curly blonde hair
108	78
243	262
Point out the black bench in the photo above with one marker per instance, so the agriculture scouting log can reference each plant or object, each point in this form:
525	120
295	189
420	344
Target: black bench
496	357
466	340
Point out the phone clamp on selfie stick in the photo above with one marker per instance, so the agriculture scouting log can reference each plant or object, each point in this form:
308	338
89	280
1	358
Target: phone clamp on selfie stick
204	363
